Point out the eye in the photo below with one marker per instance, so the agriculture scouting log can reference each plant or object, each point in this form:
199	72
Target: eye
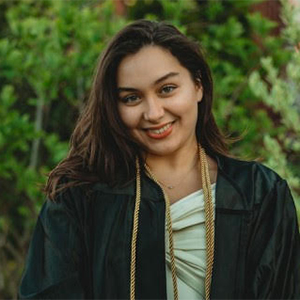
130	99
167	89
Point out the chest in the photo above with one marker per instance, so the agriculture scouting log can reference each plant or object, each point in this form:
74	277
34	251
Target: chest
177	189
111	249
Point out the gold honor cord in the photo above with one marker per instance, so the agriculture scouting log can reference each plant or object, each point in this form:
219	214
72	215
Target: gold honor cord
209	221
135	230
209	226
170	233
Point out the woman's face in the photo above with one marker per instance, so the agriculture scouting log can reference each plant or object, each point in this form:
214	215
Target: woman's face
158	100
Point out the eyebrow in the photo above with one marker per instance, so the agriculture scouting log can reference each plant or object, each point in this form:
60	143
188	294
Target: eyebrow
159	80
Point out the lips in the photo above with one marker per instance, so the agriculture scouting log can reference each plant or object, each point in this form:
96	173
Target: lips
160	132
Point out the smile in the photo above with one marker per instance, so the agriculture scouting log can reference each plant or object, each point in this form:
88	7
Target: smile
160	132
162	129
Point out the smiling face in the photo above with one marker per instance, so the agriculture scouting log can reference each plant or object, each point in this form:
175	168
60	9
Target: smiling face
158	100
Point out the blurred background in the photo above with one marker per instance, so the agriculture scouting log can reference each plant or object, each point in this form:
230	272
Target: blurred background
48	52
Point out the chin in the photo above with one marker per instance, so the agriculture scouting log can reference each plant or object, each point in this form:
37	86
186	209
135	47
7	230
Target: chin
161	150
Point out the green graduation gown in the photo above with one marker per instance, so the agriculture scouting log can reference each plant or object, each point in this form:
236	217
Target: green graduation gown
81	243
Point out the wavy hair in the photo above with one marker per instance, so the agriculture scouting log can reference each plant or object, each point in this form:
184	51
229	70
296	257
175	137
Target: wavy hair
101	149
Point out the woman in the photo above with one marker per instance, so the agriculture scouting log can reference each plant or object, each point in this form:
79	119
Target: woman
148	204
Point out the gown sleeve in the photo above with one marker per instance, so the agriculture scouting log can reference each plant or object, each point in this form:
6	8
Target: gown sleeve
273	270
53	261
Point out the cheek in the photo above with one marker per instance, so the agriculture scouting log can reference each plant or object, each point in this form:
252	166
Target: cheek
188	112
128	116
189	106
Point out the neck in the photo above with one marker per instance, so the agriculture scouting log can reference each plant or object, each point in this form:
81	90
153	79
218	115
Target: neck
180	160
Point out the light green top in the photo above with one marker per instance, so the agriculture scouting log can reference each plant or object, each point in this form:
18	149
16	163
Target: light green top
188	225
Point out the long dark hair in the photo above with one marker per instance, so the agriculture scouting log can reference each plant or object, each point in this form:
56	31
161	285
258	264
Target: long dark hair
101	148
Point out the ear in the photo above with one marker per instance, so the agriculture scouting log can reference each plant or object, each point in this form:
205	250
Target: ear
199	90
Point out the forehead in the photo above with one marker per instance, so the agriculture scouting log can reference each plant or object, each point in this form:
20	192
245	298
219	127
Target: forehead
146	66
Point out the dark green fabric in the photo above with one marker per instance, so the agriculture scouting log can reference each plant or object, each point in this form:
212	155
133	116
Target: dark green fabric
81	243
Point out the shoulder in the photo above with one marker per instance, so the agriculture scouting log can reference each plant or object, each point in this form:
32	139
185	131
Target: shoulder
72	202
252	179
247	169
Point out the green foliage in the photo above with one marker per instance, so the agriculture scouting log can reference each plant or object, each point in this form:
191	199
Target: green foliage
280	91
233	55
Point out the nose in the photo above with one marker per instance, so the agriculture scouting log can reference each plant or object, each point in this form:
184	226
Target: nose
154	110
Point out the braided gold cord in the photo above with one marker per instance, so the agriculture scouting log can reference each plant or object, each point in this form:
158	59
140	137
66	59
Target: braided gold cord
135	230
170	233
209	221
209	226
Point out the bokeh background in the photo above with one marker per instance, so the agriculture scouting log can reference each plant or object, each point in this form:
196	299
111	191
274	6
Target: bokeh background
48	52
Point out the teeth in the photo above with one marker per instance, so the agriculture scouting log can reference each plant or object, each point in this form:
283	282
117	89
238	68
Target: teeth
161	130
